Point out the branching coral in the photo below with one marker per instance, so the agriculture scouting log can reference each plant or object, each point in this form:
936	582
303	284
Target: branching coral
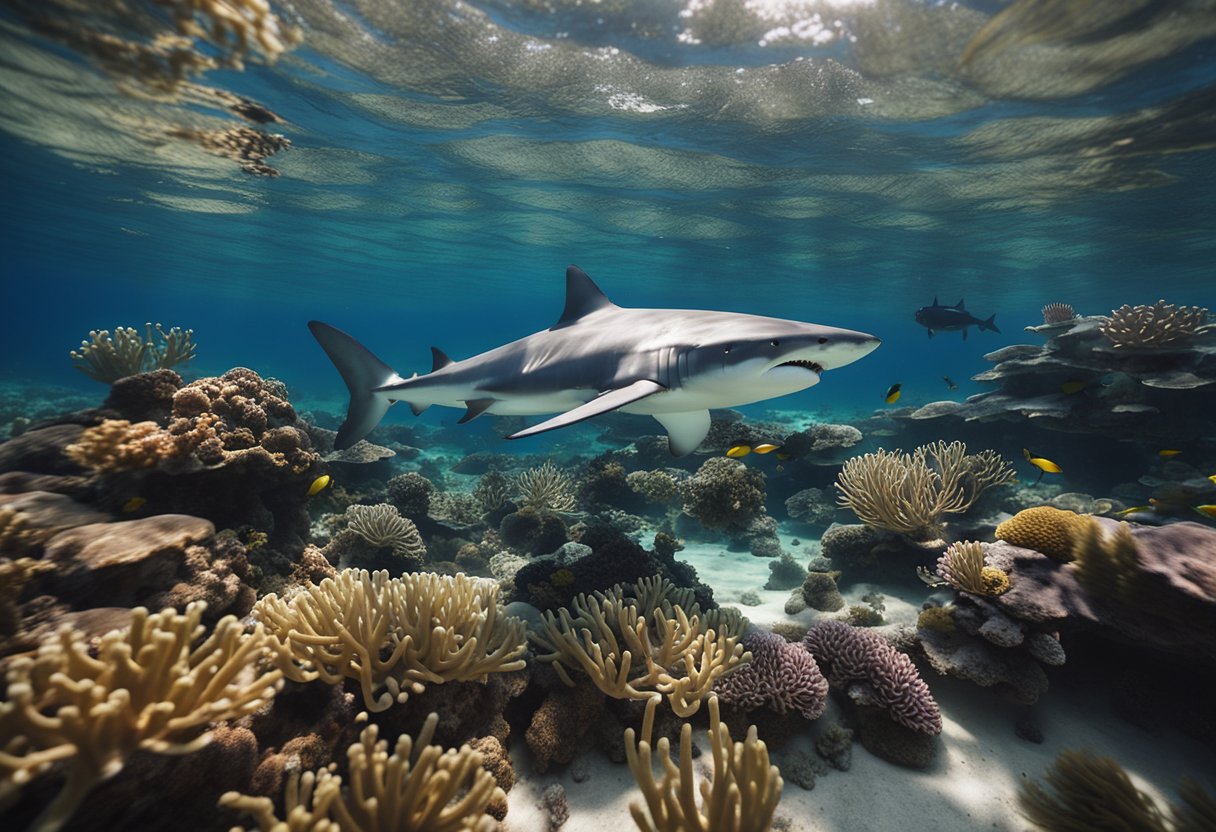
156	686
781	675
962	566
644	641
382	526
1058	313
885	678
741	795
107	357
393	635
1149	327
908	493
546	488
118	445
417	787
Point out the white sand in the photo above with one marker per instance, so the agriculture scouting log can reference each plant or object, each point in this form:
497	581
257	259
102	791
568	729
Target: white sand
973	784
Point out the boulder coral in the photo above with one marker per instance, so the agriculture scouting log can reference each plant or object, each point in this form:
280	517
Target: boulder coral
724	494
875	674
1045	529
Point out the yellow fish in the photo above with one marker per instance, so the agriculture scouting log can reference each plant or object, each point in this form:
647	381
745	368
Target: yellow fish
1168	452
1208	510
1132	510
1213	479
1045	466
767	447
134	504
893	393
1073	386
737	451
319	484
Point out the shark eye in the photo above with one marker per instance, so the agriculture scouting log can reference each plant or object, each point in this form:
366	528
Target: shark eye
726	351
775	342
823	340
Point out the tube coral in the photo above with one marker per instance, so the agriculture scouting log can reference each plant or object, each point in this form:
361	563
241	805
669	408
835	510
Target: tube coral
741	795
393	635
155	686
107	357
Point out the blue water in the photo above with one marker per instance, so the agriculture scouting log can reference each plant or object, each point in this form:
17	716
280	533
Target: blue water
452	225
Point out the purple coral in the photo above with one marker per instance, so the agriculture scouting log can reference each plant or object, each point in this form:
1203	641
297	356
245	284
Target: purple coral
781	675
855	656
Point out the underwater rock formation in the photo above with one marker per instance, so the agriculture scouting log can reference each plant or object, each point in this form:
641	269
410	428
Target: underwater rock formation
1079	381
813	507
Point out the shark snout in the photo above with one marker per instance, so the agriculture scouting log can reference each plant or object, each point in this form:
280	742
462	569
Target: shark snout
840	347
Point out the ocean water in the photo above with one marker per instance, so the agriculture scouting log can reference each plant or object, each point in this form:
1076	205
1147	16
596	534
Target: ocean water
841	162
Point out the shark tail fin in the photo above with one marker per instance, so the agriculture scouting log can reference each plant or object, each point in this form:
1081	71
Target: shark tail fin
363	373
990	324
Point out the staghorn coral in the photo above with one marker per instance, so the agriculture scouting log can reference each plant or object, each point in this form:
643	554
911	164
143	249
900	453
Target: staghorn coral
741	795
908	493
962	566
1152	327
156	686
781	676
383	527
1058	313
647	640
418	787
108	358
883	677
393	635
724	494
1045	529
545	488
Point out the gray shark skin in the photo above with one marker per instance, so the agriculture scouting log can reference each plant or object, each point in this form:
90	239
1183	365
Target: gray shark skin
673	364
952	319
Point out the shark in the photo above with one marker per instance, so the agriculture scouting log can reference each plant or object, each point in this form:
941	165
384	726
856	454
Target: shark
673	364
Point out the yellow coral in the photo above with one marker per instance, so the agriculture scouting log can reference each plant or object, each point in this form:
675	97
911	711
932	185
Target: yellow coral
419	786
156	686
1109	565
393	635
937	619
643	647
741	795
1045	529
994	581
118	445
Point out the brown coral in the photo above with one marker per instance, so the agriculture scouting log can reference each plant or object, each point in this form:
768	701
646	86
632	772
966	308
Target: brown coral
1045	529
118	445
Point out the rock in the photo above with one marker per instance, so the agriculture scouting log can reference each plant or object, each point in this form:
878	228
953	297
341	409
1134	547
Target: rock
41	451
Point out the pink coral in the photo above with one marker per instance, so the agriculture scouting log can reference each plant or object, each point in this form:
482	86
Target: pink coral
781	675
853	655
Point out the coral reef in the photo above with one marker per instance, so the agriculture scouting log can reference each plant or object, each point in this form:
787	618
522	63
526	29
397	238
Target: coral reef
785	573
418	786
156	686
384	528
1045	529
962	566
724	494
411	493
820	592
814	507
492	490
393	635
875	674
545	488
781	676
108	358
1058	313
1150	327
648	640
821	444
908	493
741	795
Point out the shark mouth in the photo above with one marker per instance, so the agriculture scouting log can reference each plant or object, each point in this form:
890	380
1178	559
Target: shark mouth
806	365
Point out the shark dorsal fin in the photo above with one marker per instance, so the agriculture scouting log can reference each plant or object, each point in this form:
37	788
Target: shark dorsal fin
935	303
439	359
582	297
960	305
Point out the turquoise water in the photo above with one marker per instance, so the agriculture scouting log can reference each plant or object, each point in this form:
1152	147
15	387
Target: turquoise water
449	160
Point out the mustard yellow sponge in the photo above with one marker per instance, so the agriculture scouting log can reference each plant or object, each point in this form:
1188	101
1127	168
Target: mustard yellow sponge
1045	529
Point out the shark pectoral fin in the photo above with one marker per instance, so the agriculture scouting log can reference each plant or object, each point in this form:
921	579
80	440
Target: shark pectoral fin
475	407
685	431
603	403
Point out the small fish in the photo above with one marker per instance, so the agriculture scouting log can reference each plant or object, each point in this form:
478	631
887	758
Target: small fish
134	504
1166	453
952	319
319	484
765	448
1132	510
930	578
737	451
1213	479
950	385
893	393
1208	510
1073	386
1045	466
